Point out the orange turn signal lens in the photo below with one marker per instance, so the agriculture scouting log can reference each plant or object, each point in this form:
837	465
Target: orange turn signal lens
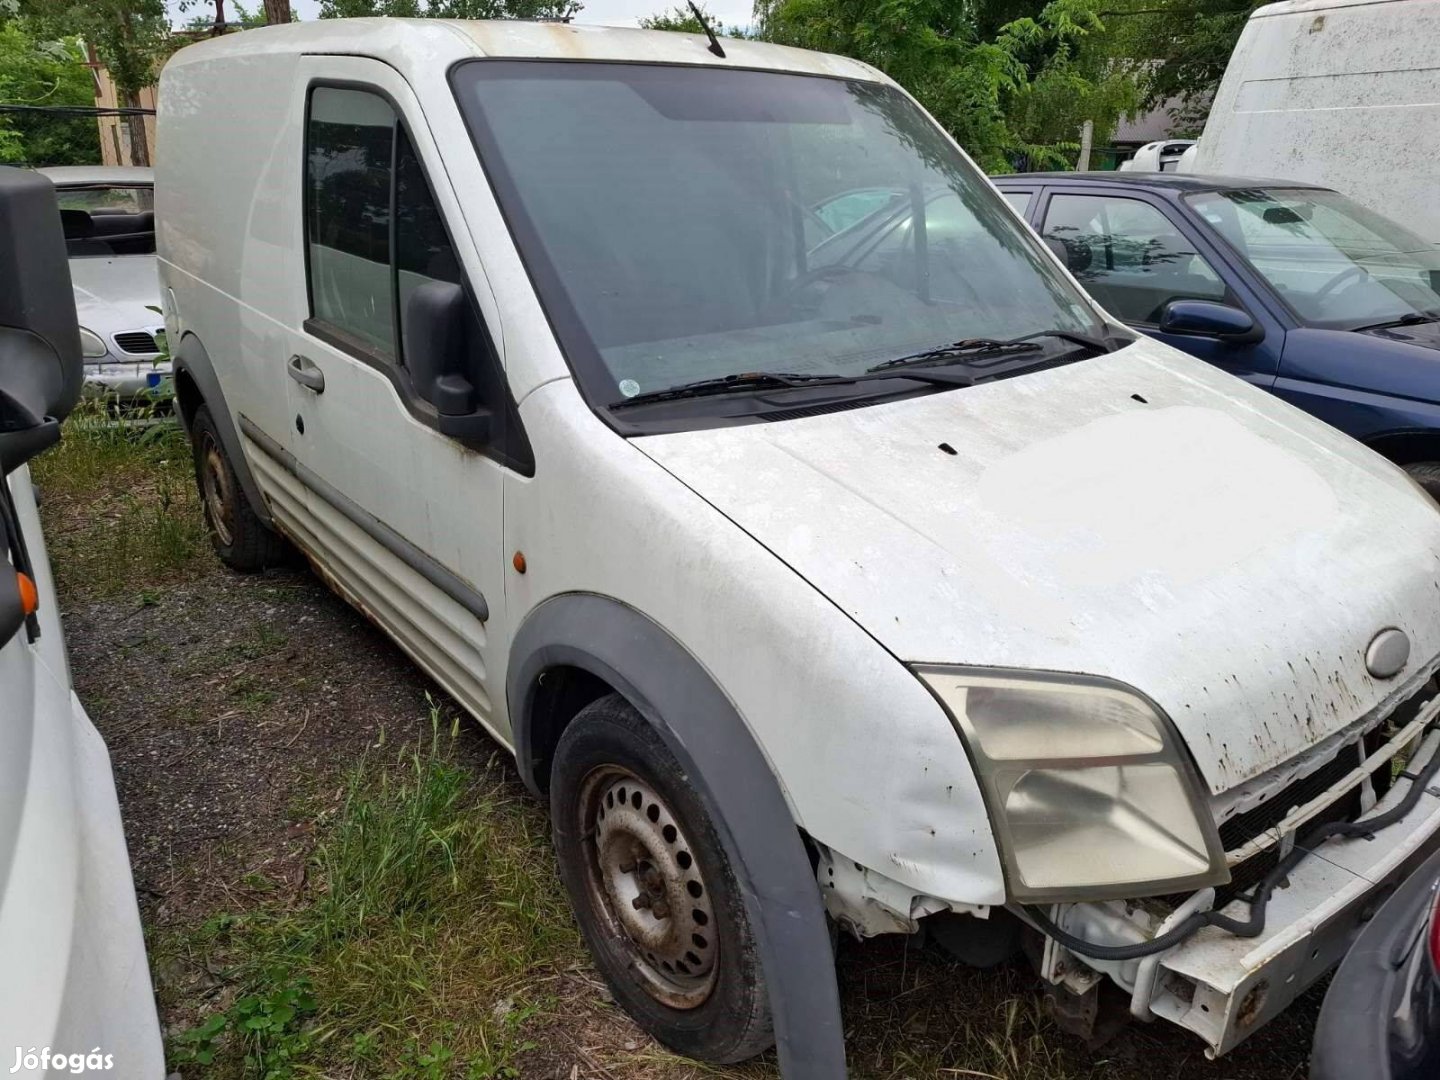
29	595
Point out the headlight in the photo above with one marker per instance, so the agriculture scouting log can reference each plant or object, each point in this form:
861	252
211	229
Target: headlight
91	347
1090	792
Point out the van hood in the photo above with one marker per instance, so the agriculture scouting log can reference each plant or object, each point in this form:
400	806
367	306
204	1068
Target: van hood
1139	516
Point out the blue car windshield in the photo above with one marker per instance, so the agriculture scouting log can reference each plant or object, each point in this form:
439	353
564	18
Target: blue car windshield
1336	264
685	223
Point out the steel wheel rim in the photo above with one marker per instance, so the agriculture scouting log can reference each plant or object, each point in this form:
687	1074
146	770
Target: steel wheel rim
215	491
646	885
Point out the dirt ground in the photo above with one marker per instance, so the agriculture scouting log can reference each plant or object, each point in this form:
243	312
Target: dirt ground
233	706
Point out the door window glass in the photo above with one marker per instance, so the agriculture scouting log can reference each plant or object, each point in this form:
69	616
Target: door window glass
350	147
1020	200
422	246
1129	255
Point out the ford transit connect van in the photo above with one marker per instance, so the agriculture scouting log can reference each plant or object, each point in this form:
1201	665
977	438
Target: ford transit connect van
814	580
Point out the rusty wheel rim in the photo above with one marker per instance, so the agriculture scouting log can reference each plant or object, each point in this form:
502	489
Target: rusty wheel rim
215	491
647	886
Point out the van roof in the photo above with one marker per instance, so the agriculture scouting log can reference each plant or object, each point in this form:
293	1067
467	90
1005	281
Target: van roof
405	43
1305	7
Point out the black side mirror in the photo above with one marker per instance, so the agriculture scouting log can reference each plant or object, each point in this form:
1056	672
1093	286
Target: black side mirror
437	332
40	365
1204	318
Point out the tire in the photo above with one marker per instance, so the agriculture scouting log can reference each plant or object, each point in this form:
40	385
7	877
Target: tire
653	890
239	537
1427	475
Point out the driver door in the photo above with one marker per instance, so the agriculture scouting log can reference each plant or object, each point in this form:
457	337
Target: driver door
405	520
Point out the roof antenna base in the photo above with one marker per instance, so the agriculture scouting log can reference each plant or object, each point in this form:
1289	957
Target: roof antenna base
714	41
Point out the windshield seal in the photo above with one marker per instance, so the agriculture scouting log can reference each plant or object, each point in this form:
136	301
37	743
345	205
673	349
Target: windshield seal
593	376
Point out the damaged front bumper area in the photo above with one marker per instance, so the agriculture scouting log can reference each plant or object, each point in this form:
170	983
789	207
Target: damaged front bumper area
1328	874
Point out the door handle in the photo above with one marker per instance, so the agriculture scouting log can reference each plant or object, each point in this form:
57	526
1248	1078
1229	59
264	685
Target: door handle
303	370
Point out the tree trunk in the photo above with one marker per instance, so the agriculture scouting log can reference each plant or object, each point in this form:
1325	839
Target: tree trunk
219	27
139	144
277	11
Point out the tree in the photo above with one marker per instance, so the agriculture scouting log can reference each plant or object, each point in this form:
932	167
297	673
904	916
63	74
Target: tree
451	9
278	11
1179	49
682	20
53	73
130	37
1015	96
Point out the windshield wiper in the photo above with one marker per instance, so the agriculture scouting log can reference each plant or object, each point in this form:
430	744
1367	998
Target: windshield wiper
1415	318
973	347
729	384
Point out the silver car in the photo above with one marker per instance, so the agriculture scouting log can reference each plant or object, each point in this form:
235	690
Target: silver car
109	217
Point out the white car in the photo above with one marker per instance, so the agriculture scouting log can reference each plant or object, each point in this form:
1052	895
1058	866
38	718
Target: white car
108	213
807	568
77	995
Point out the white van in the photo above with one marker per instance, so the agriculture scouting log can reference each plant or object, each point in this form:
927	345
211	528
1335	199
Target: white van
1340	93
703	421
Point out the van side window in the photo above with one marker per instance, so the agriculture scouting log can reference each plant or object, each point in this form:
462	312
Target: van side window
350	144
422	247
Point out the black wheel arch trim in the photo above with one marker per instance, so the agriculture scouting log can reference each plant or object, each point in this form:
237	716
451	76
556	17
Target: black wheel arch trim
734	782
191	359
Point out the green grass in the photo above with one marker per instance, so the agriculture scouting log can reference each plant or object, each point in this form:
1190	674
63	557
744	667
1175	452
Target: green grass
422	946
133	517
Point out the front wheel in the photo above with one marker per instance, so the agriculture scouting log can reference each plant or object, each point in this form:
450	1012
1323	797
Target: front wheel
653	891
239	537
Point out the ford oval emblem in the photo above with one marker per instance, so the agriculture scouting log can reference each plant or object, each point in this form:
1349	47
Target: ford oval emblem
1387	653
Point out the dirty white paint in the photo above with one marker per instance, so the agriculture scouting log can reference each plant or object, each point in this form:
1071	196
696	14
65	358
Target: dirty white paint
1213	548
69	925
1310	923
1343	93
1139	516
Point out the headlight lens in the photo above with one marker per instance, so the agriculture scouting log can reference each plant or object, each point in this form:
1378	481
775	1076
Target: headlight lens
1090	791
91	347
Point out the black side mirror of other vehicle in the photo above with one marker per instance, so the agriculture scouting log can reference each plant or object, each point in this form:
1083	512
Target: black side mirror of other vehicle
40	365
1204	318
437	350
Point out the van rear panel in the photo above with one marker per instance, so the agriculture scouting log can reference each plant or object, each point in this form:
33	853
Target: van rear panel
1341	93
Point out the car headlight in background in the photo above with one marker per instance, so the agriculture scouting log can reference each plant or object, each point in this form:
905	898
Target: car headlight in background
1089	790
91	346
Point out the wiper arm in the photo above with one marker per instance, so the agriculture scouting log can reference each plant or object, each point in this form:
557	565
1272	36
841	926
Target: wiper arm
730	384
1413	319
970	347
957	350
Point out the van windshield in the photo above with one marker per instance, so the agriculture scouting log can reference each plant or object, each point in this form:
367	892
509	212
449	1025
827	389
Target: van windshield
1336	264
687	223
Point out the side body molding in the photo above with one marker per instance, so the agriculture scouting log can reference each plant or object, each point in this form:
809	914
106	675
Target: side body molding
726	768
192	359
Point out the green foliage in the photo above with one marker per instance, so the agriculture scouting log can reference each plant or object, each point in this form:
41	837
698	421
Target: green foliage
422	950
451	9
1178	49
1017	95
131	37
38	72
269	1026
682	20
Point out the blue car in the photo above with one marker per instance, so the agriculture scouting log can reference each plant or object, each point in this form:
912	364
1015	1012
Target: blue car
1290	286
